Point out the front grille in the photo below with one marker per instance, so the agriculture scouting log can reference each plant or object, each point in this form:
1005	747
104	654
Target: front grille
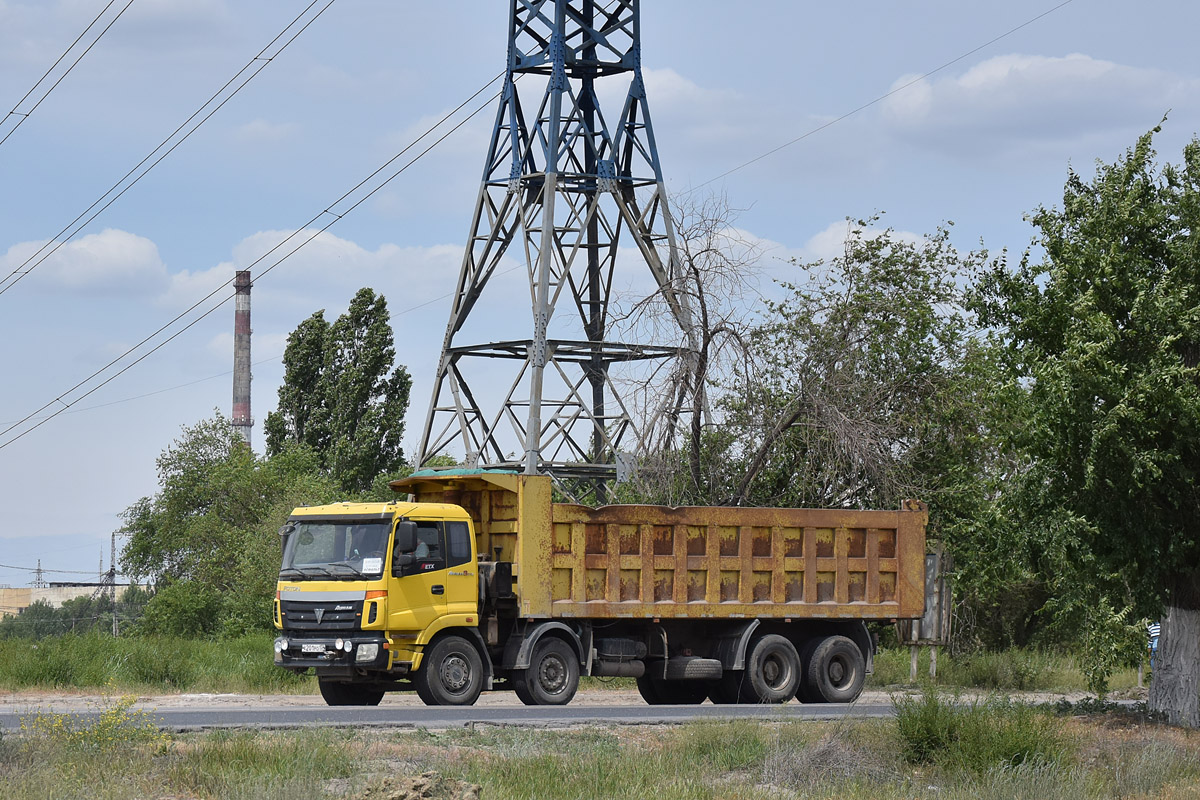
298	615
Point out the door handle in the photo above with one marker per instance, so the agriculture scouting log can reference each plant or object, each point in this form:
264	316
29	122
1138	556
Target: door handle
439	589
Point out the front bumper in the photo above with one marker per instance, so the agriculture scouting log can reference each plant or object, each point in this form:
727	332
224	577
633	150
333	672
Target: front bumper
333	655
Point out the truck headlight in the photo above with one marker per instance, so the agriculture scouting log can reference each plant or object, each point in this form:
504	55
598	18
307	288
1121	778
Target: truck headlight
281	644
367	652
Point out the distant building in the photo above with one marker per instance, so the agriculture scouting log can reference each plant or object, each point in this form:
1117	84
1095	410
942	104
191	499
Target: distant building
15	600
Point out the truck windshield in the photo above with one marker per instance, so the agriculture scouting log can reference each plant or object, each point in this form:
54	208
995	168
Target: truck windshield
332	549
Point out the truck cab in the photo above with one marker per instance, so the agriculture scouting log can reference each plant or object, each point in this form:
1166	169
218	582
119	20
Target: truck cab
364	587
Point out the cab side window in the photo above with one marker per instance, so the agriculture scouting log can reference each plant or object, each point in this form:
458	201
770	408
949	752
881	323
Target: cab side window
458	540
430	552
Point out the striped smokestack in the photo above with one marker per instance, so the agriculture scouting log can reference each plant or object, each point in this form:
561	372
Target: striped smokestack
242	421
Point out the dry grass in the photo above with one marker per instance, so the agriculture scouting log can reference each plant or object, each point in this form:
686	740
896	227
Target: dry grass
1112	756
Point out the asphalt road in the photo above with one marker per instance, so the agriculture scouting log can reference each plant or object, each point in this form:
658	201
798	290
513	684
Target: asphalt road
262	715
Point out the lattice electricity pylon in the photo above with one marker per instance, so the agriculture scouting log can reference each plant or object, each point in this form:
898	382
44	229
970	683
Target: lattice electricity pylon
559	188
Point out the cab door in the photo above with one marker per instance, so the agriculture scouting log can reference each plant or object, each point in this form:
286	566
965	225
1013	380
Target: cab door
417	590
462	576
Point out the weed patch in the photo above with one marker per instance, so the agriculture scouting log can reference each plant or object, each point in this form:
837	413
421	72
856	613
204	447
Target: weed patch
112	727
978	736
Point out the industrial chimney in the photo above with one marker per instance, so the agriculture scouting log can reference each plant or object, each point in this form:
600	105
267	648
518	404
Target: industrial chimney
242	420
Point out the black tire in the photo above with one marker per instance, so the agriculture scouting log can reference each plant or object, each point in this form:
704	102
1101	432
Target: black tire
693	668
451	673
806	693
772	671
835	671
727	690
349	694
552	677
657	692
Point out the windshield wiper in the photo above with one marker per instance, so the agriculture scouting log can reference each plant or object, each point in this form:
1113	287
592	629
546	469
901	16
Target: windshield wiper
346	565
290	572
307	571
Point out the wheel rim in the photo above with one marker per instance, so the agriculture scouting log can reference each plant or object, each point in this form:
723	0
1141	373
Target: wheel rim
775	671
839	672
456	673
552	674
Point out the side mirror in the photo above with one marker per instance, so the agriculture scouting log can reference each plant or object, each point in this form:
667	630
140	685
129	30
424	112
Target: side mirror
286	530
406	537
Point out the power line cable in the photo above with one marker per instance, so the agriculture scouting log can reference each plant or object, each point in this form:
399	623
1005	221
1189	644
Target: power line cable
883	97
255	66
224	374
22	116
336	216
64	571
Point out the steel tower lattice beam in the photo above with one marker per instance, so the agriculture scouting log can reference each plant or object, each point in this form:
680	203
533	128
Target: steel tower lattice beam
561	187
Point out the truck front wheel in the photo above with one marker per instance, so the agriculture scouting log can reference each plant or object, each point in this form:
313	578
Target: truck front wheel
336	693
552	677
451	673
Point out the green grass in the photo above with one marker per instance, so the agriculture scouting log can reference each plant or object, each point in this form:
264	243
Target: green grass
169	664
972	758
146	664
978	736
1019	670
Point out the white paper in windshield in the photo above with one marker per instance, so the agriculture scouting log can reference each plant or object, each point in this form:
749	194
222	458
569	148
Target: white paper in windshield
374	565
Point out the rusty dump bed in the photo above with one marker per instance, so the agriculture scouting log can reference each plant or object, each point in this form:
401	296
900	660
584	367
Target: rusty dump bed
658	562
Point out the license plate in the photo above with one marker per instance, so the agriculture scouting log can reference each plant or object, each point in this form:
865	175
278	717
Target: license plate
312	648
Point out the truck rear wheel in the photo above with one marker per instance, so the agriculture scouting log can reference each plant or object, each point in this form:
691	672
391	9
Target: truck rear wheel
552	677
772	671
835	672
451	673
658	692
336	693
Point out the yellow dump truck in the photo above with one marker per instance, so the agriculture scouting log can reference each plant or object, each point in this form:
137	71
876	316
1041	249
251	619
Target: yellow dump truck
481	581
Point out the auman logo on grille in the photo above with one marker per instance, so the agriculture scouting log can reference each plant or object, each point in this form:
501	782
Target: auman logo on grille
318	613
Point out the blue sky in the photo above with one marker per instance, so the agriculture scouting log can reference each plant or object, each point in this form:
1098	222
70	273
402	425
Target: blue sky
982	142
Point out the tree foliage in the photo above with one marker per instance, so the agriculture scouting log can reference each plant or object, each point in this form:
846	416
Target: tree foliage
1104	332
211	529
341	396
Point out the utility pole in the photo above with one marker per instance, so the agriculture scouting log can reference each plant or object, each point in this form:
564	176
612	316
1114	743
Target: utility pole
564	187
112	582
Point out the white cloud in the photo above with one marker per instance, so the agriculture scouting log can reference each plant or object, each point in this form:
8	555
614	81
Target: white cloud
324	273
1015	99
260	131
110	262
830	242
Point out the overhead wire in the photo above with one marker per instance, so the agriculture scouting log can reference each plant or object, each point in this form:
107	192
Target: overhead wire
22	116
336	216
885	96
143	396
64	571
254	66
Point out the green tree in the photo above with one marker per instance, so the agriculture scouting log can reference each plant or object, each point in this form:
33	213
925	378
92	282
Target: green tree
1105	335
866	384
211	529
341	396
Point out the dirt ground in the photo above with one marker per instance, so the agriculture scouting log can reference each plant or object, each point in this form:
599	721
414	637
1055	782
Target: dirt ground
67	702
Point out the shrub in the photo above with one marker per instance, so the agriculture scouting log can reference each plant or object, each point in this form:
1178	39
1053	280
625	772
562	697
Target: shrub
115	726
182	608
977	736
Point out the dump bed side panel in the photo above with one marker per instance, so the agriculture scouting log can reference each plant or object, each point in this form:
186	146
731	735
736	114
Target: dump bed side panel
659	562
648	561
